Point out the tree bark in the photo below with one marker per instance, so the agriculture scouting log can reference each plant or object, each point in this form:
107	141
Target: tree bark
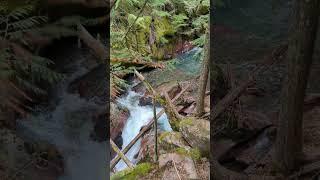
203	79
301	46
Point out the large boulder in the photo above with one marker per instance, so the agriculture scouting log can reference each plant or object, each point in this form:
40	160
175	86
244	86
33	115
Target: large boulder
177	166
118	118
197	133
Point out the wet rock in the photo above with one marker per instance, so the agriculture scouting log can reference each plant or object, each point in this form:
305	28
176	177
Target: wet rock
92	84
145	101
100	128
119	141
139	88
197	133
146	152
118	118
177	164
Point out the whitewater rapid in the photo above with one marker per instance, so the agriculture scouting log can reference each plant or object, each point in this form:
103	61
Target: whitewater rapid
139	117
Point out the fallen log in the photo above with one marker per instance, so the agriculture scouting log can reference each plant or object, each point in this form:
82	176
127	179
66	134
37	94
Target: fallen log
120	154
101	52
144	130
229	99
137	61
171	111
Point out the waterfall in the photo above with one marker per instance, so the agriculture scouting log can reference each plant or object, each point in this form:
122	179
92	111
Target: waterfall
67	124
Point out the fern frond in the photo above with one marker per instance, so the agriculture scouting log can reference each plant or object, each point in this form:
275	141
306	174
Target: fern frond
28	23
21	12
26	84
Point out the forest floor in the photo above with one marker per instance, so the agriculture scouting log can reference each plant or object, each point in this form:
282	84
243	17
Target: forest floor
256	110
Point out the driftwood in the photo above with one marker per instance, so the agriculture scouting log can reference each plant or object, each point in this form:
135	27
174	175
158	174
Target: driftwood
120	154
144	130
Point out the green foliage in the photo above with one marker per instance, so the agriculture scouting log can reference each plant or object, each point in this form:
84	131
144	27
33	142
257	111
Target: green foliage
21	69
149	29
133	174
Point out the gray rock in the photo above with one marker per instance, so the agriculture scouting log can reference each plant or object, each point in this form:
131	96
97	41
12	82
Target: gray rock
197	133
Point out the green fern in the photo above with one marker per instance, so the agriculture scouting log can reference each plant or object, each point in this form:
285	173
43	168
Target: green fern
133	23
21	71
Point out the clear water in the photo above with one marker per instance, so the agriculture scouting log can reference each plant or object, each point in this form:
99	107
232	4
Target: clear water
139	117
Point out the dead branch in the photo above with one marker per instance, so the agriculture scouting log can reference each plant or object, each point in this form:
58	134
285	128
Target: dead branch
99	50
229	98
120	154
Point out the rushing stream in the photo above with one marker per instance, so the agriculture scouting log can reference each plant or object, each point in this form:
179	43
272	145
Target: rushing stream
139	117
188	64
67	124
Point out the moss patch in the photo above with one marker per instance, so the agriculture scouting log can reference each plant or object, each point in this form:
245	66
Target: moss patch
163	135
133	174
186	122
194	153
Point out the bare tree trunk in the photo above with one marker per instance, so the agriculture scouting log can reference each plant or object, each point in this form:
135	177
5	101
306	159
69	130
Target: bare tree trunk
203	79
301	45
155	129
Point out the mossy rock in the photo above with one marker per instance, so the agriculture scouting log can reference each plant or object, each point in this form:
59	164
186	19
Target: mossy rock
197	133
194	153
172	140
133	174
